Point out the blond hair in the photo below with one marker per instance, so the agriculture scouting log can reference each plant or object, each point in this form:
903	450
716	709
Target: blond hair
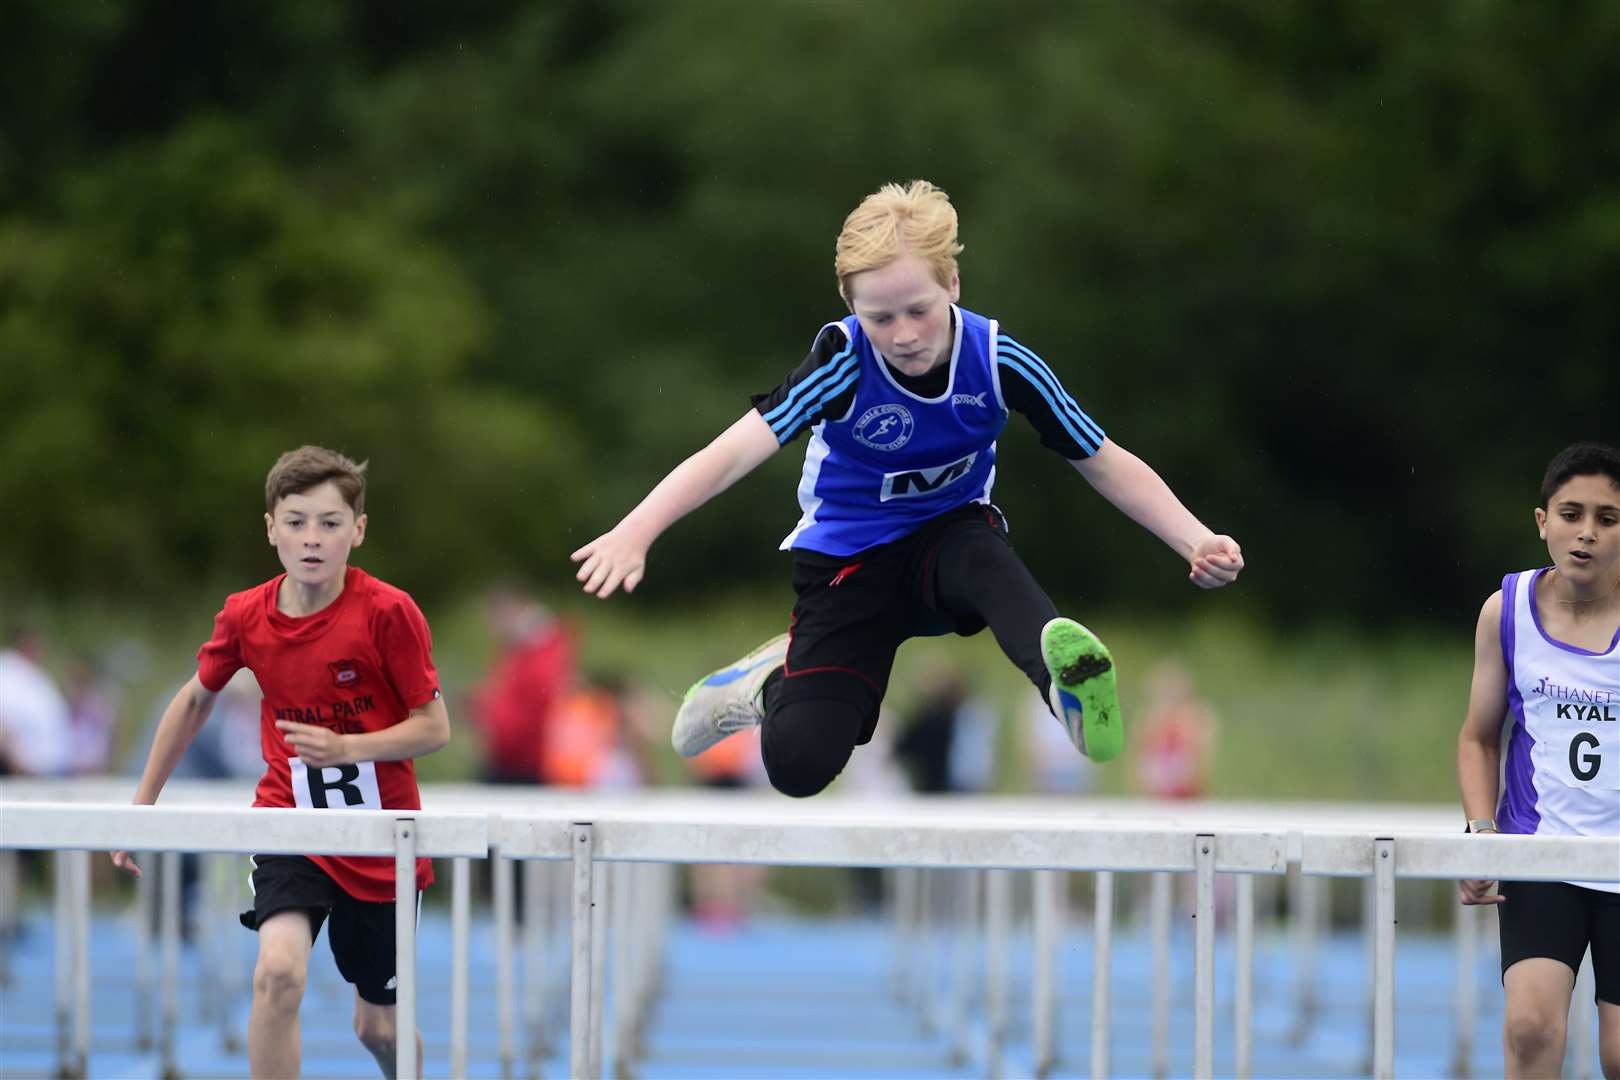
916	219
308	467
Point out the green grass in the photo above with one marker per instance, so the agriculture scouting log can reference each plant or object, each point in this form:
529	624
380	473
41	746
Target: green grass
1317	713
1313	713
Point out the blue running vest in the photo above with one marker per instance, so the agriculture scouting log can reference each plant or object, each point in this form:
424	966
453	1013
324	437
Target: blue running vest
895	460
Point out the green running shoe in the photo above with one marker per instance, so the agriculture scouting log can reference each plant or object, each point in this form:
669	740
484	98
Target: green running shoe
1083	692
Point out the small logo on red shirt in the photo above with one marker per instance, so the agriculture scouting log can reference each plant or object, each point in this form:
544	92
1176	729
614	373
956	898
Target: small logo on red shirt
345	673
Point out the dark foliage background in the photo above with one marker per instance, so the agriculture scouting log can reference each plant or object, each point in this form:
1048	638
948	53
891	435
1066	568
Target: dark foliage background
1345	272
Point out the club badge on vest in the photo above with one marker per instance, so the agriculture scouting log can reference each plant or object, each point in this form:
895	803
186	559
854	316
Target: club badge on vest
884	427
345	673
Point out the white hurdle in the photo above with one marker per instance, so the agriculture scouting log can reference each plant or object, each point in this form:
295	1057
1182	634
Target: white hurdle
639	837
83	828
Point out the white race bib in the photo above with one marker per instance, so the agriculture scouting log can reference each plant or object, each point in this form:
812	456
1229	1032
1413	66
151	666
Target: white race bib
1594	757
335	787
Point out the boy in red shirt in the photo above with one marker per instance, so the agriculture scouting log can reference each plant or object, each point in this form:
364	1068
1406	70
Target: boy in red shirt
350	697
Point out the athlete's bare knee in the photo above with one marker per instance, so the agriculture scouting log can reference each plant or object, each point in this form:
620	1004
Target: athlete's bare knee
376	1030
1532	1033
278	979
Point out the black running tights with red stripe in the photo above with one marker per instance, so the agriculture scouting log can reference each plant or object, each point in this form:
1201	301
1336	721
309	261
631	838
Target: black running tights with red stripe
956	574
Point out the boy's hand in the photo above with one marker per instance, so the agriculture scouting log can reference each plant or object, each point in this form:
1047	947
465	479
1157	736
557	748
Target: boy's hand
1215	562
125	862
611	560
316	745
1478	892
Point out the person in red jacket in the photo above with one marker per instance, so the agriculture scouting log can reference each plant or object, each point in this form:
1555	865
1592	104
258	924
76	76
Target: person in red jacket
351	696
534	670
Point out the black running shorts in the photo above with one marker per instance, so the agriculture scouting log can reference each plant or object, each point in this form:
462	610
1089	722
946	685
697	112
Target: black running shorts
361	932
1557	920
853	612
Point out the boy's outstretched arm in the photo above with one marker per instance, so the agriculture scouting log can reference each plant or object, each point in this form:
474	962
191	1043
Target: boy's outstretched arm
179	725
1479	747
619	556
1142	495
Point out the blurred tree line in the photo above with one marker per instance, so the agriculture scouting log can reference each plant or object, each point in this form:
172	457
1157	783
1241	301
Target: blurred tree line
1344	272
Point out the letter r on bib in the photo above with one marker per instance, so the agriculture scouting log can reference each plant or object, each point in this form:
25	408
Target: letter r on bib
335	787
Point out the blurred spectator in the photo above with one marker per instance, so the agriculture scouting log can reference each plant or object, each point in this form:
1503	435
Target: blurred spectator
597	736
35	727
948	742
93	717
34	741
1175	738
533	670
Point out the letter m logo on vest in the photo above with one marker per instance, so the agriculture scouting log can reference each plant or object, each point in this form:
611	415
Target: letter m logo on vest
915	482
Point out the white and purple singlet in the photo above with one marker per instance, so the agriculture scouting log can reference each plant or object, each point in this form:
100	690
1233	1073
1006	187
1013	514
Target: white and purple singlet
1561	772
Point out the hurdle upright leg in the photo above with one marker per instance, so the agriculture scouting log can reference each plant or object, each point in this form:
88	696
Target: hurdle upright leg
1101	962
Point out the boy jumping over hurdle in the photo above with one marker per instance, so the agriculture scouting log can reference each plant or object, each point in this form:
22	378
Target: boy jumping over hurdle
903	401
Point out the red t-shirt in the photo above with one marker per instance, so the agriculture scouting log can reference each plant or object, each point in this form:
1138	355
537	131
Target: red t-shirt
360	664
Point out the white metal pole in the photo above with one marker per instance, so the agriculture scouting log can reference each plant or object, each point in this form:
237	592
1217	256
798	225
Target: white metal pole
81	962
230	955
1583	1021
1160	894
405	948
534	965
893	912
1465	933
169	898
1305	905
1384	958
559	944
660	908
10	880
640	922
925	958
1044	902
579	1001
621	900
206	938
911	901
501	887
1369	940
599	911
62	929
1243	990
460	935
144	936
1102	952
997	916
963	960
1204	959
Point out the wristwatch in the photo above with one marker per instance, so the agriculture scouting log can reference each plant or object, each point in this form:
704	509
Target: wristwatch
1479	825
